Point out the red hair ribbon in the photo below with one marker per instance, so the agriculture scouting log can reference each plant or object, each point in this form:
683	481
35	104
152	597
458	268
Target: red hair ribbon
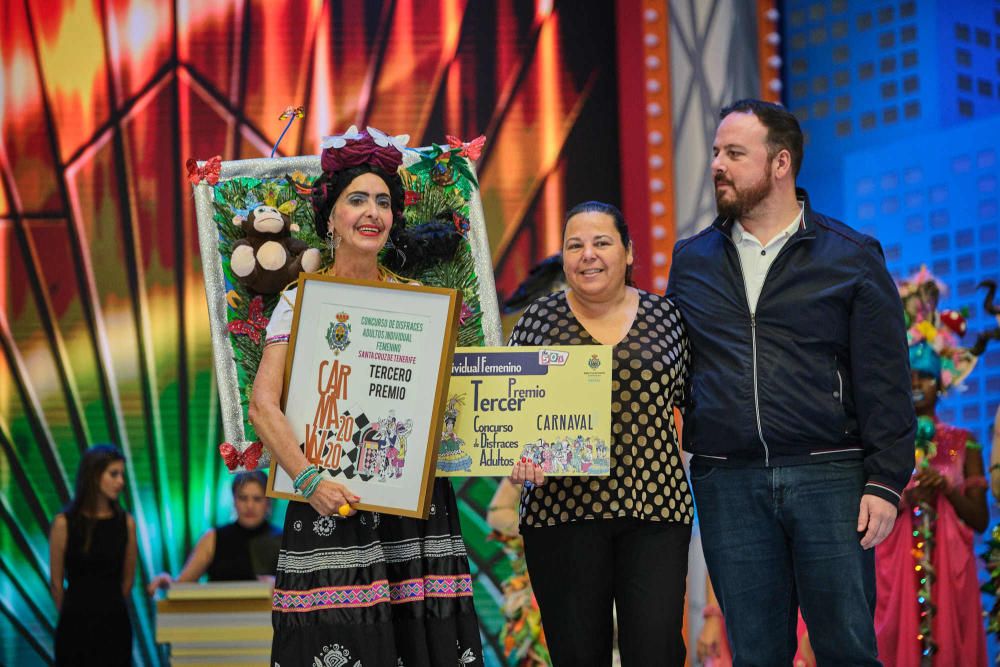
209	171
470	149
248	458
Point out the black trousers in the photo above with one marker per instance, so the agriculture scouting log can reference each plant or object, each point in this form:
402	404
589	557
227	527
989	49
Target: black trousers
577	569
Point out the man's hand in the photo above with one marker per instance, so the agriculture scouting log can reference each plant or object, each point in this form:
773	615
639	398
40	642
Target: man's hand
710	639
875	519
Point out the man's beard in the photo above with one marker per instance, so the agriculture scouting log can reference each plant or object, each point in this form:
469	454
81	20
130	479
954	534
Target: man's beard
741	202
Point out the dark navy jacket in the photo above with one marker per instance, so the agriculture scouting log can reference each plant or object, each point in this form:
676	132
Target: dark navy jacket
820	372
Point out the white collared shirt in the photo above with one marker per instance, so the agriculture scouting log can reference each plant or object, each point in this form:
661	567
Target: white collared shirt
756	258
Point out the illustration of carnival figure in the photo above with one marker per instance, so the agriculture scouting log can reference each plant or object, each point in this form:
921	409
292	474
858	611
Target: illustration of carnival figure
558	457
534	451
586	455
452	457
369	454
547	455
566	452
391	435
578	450
601	461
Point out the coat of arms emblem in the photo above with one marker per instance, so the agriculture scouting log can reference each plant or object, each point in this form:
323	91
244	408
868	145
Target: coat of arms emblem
338	333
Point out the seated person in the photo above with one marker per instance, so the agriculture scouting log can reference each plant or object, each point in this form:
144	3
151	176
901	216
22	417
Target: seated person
246	549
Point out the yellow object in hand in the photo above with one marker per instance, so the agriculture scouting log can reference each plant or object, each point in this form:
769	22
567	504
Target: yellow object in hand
344	510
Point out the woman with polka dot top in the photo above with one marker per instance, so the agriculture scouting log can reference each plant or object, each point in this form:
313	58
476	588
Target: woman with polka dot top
623	538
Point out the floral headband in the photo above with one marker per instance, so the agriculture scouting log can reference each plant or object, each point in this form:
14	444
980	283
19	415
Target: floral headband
933	336
371	146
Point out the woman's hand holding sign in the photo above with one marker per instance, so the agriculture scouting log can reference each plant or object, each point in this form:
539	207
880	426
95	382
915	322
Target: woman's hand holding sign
330	497
527	472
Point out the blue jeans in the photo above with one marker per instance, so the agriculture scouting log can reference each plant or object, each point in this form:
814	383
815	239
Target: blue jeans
777	539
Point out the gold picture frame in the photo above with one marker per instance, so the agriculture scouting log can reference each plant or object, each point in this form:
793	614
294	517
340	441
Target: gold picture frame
361	356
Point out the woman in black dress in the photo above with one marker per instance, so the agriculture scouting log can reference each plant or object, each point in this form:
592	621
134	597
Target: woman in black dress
243	550
92	557
359	588
623	538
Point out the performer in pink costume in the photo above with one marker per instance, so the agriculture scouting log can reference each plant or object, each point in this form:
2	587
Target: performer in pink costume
948	486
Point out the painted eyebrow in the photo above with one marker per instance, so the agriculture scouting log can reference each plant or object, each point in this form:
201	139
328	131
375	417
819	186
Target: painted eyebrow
368	194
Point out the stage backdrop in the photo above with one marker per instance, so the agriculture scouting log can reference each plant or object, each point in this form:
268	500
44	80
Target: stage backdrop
103	323
900	104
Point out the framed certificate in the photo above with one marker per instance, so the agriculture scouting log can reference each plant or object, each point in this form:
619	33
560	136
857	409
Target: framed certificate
551	404
366	381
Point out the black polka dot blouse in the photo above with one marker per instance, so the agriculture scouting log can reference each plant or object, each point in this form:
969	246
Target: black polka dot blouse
647	478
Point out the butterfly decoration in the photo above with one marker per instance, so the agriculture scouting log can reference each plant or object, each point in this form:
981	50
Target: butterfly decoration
382	139
253	325
208	171
290	111
340	140
247	459
462	224
466	313
470	149
290	114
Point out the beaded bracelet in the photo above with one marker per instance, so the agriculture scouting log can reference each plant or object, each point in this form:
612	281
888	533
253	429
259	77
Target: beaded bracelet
304	476
310	482
323	476
310	487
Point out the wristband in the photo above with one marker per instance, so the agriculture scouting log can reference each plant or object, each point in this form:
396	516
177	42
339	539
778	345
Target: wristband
304	476
310	487
324	475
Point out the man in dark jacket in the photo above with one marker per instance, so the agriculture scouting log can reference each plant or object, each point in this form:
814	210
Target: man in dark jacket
799	413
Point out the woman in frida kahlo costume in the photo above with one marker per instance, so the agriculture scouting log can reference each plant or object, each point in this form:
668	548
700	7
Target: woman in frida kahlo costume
928	609
359	588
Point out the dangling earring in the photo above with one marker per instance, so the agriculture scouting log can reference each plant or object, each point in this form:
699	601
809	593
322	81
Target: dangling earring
332	239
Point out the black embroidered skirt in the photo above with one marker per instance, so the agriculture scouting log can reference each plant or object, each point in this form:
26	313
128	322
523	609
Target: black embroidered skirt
375	590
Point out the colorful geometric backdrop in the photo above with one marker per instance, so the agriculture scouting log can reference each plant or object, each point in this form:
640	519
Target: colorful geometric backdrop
103	322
